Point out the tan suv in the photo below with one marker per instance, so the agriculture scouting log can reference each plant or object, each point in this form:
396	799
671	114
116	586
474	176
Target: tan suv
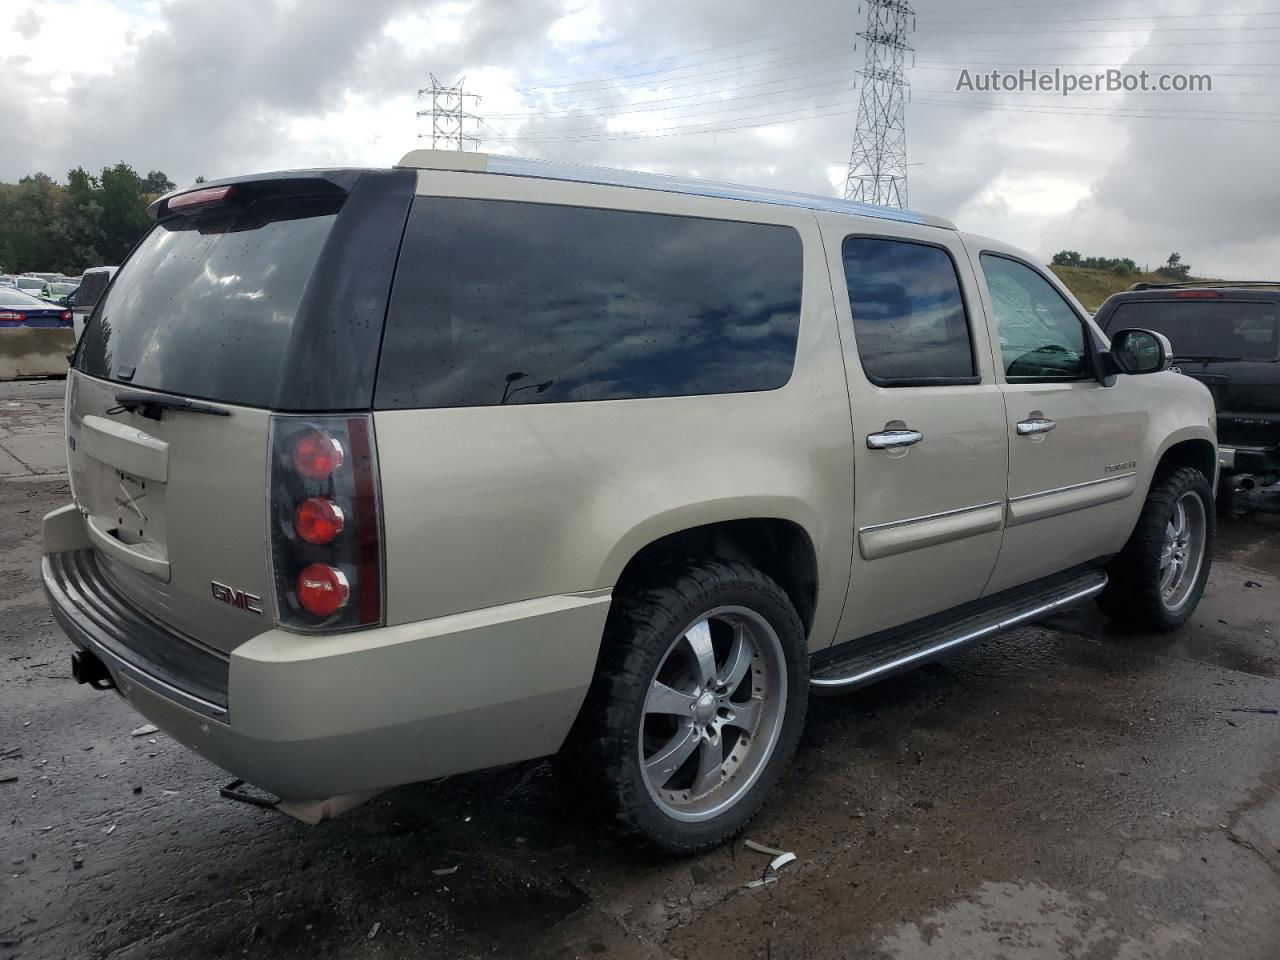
385	475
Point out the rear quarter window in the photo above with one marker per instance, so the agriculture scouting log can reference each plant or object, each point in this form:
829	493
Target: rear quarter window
504	302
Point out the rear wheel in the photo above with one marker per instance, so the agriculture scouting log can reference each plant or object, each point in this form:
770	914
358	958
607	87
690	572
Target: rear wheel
1158	578
696	707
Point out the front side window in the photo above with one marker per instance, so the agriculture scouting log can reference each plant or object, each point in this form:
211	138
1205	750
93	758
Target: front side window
1041	337
502	302
908	313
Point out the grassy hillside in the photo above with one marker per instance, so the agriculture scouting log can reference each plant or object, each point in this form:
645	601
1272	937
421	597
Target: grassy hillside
1091	287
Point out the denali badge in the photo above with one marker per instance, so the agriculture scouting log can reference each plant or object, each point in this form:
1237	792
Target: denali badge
236	598
1117	467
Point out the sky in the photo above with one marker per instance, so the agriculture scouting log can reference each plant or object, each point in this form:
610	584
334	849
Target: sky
755	92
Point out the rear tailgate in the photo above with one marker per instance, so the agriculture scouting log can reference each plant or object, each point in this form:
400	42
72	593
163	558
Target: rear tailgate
175	507
271	298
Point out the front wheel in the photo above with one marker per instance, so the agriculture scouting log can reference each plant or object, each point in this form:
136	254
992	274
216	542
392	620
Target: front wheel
1157	580
696	707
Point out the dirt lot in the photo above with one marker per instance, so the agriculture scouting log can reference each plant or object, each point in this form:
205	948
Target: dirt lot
1063	791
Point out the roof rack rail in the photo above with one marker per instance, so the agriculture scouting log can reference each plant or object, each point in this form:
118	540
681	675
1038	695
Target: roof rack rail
1184	284
459	161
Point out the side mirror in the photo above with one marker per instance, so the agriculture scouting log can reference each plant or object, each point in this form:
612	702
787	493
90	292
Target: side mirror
1139	351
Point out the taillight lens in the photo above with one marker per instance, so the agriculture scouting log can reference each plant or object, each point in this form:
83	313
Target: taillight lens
322	589
10	316
326	536
316	454
66	317
318	521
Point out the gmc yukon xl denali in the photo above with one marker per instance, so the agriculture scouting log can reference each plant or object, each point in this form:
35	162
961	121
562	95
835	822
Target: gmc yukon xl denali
384	475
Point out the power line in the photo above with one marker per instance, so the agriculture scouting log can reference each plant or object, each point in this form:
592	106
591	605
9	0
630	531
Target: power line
645	106
702	77
845	108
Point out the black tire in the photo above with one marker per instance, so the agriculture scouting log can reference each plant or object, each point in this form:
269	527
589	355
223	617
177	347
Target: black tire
603	753
1133	596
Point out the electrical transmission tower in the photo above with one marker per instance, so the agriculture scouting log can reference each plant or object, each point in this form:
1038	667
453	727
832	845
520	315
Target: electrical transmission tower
878	162
448	115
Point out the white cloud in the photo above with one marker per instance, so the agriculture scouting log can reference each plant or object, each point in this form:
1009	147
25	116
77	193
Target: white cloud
192	87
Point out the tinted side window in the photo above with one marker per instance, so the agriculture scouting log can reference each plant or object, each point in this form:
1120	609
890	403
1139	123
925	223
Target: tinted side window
908	313
1041	337
503	302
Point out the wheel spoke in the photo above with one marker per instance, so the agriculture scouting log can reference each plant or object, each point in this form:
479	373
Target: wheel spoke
665	699
699	638
738	662
670	757
746	716
710	759
1179	521
1166	556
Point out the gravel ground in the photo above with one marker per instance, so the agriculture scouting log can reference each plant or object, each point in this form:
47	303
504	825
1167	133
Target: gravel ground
1062	791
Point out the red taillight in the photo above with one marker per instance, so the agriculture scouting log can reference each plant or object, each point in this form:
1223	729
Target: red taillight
326	529
322	589
10	316
316	455
66	316
1198	294
195	199
318	521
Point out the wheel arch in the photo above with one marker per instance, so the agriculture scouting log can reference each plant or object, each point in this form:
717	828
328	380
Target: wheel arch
780	547
1196	451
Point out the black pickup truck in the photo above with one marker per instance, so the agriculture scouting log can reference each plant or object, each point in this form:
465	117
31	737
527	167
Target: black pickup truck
1228	337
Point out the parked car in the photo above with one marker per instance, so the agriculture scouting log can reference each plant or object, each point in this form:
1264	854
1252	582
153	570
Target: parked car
385	475
18	309
92	284
1227	336
30	285
6	280
57	291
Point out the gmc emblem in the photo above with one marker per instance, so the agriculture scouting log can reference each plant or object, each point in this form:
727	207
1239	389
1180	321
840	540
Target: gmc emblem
236	598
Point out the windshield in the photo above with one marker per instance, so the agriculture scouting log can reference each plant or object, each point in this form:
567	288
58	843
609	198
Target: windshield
29	283
205	307
1228	329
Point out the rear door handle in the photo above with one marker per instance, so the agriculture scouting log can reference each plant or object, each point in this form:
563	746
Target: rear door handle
1028	428
890	439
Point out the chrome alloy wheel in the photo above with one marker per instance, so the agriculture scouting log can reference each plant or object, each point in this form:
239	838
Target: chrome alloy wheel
712	714
1182	554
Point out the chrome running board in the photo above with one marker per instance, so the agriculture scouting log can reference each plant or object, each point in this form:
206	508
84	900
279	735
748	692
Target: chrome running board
873	658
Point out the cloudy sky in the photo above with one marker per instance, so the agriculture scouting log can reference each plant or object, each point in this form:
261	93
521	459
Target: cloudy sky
754	91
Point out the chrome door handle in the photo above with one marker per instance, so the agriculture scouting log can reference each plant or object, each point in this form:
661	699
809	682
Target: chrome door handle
1028	428
890	439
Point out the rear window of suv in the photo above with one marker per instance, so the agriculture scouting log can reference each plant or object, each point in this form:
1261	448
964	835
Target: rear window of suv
504	302
204	307
1227	329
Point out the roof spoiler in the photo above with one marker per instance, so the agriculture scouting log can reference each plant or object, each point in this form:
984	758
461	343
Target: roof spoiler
1190	284
239	190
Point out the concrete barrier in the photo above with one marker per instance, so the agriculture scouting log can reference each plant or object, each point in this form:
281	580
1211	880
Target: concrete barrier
35	351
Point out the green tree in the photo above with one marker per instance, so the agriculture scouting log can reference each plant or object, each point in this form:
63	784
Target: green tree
77	230
27	213
124	211
1174	268
157	183
1066	258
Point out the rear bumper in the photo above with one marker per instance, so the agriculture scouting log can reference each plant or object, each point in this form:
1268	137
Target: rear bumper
311	717
1251	460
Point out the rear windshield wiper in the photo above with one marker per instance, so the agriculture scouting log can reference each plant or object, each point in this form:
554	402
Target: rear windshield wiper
152	406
